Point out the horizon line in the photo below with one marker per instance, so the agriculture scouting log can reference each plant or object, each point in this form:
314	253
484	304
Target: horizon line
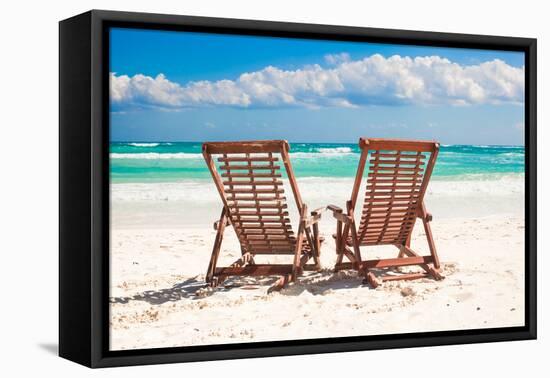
302	142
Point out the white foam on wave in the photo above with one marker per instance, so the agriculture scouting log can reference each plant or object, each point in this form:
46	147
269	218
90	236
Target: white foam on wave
511	154
335	150
197	201
325	152
155	155
144	144
316	189
478	185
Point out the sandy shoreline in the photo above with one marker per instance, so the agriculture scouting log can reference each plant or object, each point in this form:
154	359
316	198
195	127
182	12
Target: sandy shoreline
156	272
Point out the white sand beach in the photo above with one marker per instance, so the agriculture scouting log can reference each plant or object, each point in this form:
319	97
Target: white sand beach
160	252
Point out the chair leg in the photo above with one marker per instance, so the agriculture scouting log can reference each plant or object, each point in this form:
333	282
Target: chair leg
216	248
431	243
429	268
435	273
317	243
313	245
296	266
371	279
341	243
356	249
280	283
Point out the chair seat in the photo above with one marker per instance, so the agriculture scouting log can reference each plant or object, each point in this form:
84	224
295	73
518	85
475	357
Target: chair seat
289	251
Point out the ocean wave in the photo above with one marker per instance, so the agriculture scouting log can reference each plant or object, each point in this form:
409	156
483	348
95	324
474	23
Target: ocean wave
334	150
325	152
155	155
511	154
482	146
202	191
144	144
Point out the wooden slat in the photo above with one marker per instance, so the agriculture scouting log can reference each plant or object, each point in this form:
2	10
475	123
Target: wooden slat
385	235
388	220
404	276
262	231
393	237
388	190
377	230
252	175
388	185
386	217
396	175
376	233
266	249
256	205
279	236
396	168
399	160
254	147
403	261
271	244
255	270
376	223
397	154
398	144
257	245
384	180
253	191
255	183
257	220
247	159
260	213
256	198
384	196
388	205
267	227
396	161
385	213
245	167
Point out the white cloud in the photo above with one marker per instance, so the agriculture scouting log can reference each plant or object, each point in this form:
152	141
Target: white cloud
373	80
334	59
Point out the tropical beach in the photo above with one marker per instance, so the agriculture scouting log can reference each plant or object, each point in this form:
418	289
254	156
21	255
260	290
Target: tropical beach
172	91
163	205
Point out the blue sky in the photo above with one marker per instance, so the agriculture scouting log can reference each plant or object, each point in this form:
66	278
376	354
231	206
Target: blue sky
216	87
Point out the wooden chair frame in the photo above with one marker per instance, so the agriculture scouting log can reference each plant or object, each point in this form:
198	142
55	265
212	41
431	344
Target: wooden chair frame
394	199
254	204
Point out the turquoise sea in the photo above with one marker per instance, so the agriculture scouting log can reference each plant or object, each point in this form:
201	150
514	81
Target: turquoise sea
149	162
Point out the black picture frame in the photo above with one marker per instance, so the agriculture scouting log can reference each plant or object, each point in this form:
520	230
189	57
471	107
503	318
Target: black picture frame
84	188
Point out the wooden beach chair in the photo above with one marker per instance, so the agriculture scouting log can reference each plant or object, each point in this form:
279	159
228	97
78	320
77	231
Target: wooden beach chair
397	178
248	178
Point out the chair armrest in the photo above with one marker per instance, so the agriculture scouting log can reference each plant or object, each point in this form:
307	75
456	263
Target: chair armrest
335	209
217	223
315	216
338	213
423	214
425	217
319	210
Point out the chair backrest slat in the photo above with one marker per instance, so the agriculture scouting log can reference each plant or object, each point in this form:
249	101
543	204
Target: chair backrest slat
398	175
249	181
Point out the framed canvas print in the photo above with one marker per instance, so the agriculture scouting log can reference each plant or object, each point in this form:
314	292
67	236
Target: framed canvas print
234	188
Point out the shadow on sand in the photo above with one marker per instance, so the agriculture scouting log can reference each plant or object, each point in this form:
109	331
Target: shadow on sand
318	283
193	288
